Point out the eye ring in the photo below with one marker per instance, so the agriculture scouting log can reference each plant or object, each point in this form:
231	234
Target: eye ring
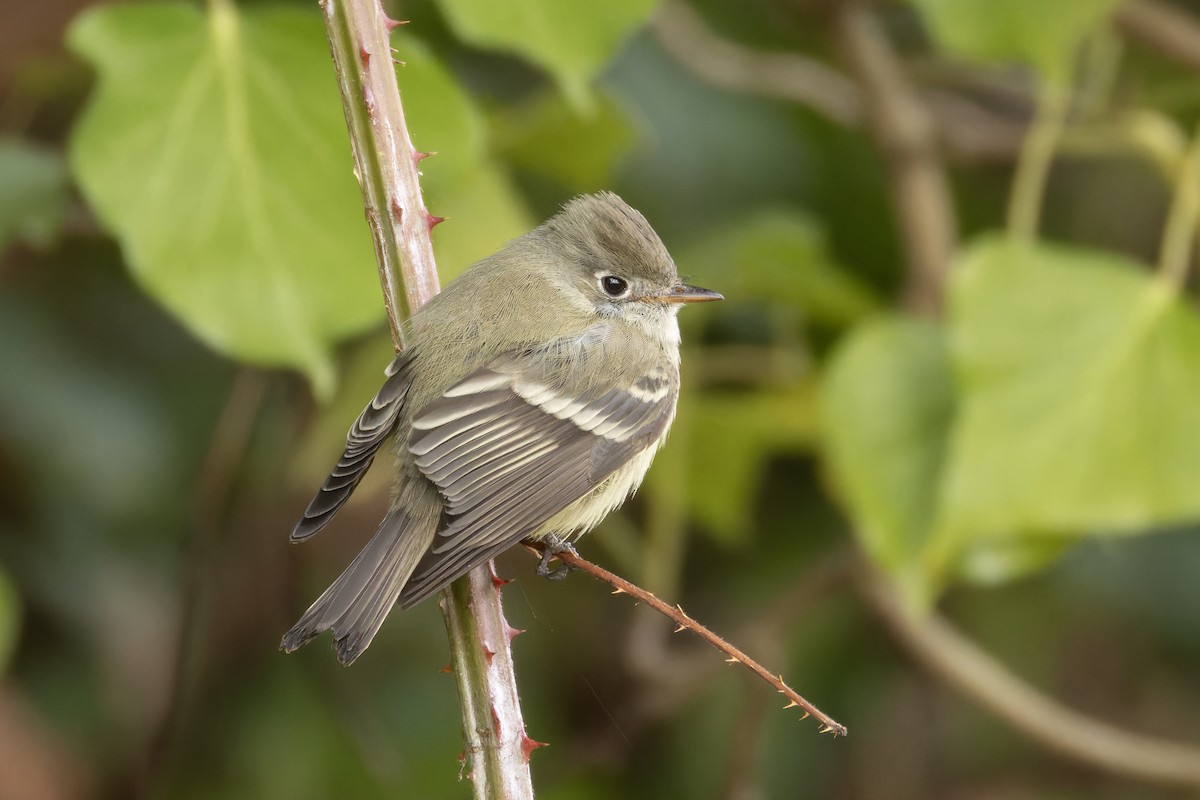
614	286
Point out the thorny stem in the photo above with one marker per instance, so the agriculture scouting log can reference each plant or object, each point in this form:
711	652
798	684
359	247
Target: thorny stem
497	748
684	621
385	159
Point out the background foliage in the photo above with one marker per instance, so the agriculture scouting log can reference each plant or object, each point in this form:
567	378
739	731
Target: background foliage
958	362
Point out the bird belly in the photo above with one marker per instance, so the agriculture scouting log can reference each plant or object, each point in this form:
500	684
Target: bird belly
587	512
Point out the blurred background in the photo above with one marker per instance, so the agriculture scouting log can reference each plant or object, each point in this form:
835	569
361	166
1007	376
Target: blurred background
936	461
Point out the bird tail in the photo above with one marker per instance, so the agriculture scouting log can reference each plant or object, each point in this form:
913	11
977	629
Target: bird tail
354	607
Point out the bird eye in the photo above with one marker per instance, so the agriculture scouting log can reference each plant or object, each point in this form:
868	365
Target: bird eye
613	286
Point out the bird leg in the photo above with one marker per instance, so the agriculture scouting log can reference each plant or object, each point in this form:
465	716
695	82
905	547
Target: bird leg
551	547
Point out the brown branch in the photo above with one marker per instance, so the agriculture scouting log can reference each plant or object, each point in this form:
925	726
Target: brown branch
905	132
386	162
971	130
978	676
684	621
1169	30
786	76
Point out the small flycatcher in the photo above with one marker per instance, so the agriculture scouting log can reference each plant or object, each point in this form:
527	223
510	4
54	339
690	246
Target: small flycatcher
529	402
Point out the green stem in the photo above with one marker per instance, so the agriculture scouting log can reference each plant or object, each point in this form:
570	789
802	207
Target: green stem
1037	154
386	165
1180	230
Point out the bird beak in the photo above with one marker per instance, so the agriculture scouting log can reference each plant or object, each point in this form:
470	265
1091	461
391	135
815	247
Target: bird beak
684	293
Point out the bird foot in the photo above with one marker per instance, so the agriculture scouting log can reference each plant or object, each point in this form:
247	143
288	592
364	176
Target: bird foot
552	546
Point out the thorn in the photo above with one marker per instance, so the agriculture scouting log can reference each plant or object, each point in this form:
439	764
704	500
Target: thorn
680	628
488	654
733	660
364	55
499	582
806	715
827	729
419	156
496	722
512	632
446	670
791	704
392	24
397	211
529	745
432	222
619	590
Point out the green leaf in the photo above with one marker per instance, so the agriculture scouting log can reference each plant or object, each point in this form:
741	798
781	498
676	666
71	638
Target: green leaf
33	193
1080	374
779	257
993	561
1042	34
571	41
483	209
215	149
441	118
547	137
887	404
741	431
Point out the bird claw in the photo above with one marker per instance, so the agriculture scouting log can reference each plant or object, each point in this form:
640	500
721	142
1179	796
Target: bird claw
552	547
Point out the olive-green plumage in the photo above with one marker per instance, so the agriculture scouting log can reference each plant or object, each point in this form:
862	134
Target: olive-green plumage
533	394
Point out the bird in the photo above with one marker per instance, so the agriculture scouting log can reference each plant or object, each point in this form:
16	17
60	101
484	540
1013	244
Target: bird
528	402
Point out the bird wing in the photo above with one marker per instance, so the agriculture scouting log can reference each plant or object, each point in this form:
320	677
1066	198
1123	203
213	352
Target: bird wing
507	452
373	426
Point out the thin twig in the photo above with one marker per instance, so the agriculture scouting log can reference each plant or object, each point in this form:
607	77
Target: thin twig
684	621
970	130
905	132
386	162
962	664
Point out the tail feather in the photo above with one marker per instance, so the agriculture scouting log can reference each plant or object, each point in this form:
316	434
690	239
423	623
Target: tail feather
356	604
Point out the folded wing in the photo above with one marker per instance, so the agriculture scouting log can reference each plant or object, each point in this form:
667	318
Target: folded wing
507	452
